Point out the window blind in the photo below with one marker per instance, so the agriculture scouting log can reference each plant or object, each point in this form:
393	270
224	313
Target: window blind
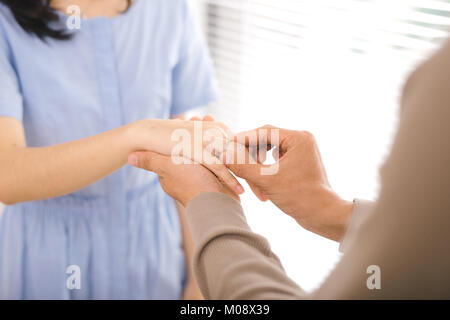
333	67
245	35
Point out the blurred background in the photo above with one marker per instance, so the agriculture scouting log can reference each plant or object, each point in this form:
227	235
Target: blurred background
333	67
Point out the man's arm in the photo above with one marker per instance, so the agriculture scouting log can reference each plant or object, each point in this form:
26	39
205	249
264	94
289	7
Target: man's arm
230	261
256	272
191	290
405	238
362	209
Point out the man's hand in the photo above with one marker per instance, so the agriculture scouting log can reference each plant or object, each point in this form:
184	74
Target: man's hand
300	186
182	182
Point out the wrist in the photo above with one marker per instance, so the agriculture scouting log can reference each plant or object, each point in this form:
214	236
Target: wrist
142	134
328	214
126	138
342	211
337	214
188	197
192	195
155	134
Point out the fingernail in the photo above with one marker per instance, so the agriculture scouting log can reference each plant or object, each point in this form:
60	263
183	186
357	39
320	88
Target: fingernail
239	189
133	160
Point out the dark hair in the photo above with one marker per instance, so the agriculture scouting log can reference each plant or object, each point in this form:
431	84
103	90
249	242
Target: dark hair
35	17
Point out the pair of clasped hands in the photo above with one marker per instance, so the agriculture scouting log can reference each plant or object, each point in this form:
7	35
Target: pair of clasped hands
299	186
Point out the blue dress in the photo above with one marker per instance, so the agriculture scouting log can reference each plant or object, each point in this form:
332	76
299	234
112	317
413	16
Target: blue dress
122	232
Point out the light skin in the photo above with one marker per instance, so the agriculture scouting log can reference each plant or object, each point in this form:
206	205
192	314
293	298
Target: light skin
93	9
29	174
300	188
46	172
182	182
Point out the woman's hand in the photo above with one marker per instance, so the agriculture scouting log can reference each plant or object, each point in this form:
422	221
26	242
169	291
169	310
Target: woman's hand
197	141
163	136
29	174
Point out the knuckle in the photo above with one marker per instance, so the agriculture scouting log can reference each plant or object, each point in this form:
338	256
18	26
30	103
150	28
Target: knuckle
307	135
161	171
145	161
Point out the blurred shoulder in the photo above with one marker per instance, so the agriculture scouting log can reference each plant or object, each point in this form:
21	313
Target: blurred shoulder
170	16
168	7
7	22
9	28
431	75
6	16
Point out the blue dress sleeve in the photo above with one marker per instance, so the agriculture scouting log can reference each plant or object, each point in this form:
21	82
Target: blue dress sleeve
11	103
193	79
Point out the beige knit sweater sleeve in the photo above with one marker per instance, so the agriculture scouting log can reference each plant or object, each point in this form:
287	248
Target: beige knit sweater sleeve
407	235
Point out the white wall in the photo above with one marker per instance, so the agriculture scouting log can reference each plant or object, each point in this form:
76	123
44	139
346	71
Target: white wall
198	9
353	122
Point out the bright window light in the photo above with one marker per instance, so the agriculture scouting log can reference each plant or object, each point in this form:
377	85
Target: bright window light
332	67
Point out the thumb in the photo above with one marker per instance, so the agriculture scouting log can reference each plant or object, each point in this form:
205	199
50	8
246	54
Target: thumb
147	160
238	159
258	193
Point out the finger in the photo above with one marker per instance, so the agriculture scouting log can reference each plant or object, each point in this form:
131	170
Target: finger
208	118
231	192
257	191
262	137
221	171
150	161
195	119
224	128
276	153
239	161
253	151
262	154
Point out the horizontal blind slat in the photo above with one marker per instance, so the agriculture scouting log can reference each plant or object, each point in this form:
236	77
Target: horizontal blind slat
240	32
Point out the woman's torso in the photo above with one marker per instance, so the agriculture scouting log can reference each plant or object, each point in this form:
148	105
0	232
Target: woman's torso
123	231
